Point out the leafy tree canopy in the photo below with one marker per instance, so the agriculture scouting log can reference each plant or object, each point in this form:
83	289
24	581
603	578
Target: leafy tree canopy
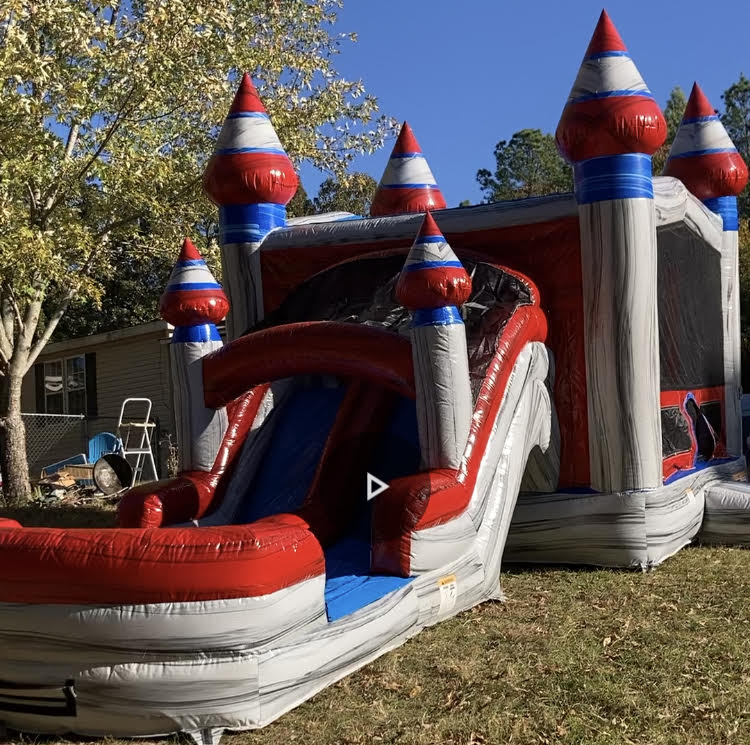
108	113
736	119
350	192
300	204
673	113
527	165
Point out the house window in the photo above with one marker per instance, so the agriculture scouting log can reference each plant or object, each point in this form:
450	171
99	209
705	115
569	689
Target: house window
65	386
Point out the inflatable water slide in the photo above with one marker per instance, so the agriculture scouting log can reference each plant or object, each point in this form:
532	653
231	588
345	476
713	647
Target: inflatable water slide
398	402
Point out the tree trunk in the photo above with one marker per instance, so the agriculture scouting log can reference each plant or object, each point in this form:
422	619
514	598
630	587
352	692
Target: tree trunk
13	464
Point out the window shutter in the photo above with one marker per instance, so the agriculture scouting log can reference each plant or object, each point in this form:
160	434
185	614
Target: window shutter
39	387
91	405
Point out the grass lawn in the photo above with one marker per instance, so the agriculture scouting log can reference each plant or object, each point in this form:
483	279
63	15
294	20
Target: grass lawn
573	656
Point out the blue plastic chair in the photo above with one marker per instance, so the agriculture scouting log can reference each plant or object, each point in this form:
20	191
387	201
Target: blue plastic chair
100	444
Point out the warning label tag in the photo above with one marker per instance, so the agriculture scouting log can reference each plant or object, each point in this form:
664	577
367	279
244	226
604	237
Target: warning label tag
448	593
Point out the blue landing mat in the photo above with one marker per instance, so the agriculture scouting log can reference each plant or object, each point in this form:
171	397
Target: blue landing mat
349	587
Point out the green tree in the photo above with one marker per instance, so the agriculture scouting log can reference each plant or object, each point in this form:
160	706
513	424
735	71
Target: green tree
527	165
136	277
744	262
108	112
673	113
300	204
350	192
736	119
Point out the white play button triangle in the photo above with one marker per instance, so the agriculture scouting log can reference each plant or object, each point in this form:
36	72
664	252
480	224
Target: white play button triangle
375	486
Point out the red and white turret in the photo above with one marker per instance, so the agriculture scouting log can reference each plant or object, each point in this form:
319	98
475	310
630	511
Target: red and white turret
433	285
407	184
252	180
193	302
705	159
609	128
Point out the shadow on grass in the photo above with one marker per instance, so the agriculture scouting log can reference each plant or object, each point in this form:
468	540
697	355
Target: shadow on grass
521	568
99	514
21	738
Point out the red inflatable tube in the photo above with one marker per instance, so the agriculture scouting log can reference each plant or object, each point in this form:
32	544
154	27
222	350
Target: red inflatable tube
710	175
434	497
404	199
167	502
169	565
610	126
192	495
245	178
325	347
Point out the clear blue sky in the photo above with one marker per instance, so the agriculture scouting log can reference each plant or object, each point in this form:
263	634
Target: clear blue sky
468	73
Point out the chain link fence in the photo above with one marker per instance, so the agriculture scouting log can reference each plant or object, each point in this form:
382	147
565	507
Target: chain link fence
53	437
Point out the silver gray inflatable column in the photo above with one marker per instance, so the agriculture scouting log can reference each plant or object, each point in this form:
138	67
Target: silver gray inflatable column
242	228
193	302
726	208
441	373
200	430
618	262
432	284
609	128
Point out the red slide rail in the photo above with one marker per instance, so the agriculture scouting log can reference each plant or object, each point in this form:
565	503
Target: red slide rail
435	497
349	350
131	566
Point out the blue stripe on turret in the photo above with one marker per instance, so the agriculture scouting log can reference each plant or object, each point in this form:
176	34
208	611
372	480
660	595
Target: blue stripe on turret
191	262
247	115
706	151
625	176
183	286
433	185
250	223
430	265
698	119
259	150
200	333
430	239
611	94
446	316
611	53
726	208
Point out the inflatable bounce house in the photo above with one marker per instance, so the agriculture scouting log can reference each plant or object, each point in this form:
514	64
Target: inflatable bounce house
352	456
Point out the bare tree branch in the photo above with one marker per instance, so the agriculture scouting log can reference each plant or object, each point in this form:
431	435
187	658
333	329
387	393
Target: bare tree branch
31	320
49	329
135	215
72	140
115	14
6	344
7	315
16	309
69	147
110	133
